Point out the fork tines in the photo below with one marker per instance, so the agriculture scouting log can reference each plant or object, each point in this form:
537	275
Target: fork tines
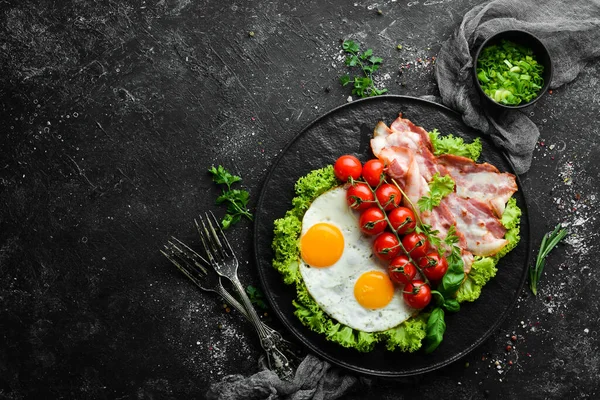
213	239
185	259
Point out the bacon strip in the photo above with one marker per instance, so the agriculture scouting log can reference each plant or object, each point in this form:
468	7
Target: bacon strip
483	232
480	181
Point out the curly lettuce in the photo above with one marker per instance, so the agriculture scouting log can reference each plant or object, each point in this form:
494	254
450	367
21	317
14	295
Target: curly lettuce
450	144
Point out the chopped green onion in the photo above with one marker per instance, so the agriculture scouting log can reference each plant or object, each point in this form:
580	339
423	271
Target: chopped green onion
509	73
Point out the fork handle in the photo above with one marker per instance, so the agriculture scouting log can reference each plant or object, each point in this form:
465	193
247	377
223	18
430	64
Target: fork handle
269	342
229	299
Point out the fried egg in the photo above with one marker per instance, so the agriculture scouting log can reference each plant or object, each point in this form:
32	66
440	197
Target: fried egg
340	271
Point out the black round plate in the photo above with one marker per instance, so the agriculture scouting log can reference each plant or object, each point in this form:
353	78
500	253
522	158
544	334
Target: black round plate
347	130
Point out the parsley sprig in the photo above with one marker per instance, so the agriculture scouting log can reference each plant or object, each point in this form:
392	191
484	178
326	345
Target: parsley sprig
235	199
550	240
362	86
439	187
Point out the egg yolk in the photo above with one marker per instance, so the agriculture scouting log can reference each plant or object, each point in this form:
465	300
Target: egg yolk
322	245
373	289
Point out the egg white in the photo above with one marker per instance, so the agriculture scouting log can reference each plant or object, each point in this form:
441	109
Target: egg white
333	287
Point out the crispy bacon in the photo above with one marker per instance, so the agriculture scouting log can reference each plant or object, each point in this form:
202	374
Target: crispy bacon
480	181
402	166
483	232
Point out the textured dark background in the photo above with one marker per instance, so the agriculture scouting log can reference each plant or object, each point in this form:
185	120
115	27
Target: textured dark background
110	114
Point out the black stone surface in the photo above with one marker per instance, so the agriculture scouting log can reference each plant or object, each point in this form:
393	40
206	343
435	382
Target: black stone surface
110	114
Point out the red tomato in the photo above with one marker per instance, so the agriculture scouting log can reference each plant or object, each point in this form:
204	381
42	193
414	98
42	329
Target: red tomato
433	266
359	196
347	166
372	171
401	270
389	196
417	294
372	221
386	246
416	244
402	220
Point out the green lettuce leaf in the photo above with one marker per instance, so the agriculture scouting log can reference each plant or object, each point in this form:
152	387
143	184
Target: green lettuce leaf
310	187
407	336
450	144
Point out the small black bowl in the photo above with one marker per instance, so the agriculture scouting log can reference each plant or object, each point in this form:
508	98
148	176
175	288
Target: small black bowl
525	39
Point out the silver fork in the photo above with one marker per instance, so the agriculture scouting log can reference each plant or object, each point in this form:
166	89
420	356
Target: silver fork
191	264
222	258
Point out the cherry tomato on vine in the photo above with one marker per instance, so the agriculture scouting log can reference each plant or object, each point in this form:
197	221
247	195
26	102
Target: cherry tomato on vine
347	166
359	196
416	244
389	196
417	294
402	220
401	270
433	266
372	171
386	246
372	221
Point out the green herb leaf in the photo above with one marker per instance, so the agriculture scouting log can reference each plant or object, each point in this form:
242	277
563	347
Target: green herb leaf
256	297
430	233
221	176
439	187
362	86
436	327
549	241
235	199
451	305
455	275
344	80
350	46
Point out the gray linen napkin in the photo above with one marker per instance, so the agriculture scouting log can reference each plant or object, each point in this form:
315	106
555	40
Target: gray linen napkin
315	379
570	29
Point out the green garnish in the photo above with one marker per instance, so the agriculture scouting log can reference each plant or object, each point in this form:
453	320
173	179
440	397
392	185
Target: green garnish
363	86
256	297
509	73
550	240
436	327
439	187
450	144
236	199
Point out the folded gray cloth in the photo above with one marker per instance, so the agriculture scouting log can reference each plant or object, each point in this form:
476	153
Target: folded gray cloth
314	379
569	29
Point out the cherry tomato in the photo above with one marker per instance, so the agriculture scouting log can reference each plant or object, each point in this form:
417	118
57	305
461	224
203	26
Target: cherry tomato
389	196
372	171
386	246
416	244
359	196
402	220
401	270
372	221
347	166
417	294
433	266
